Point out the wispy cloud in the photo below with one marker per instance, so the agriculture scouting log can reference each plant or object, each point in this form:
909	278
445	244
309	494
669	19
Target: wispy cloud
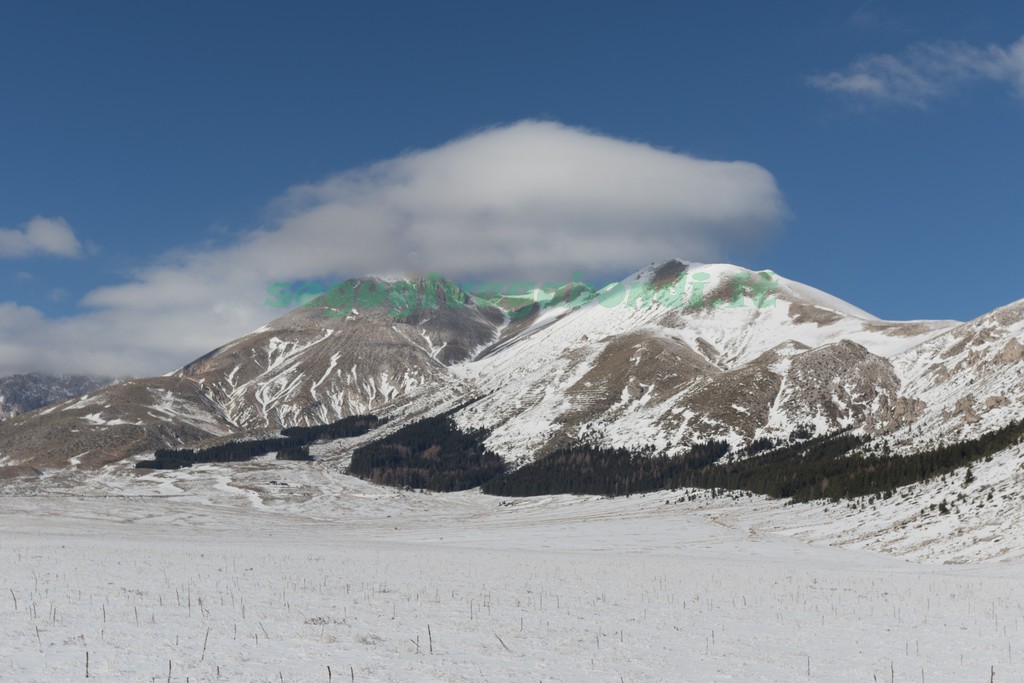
871	15
531	200
51	236
926	72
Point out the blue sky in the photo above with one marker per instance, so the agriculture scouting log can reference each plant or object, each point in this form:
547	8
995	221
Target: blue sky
158	133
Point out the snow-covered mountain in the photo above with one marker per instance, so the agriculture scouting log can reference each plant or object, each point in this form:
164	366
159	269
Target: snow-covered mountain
667	372
321	363
675	354
24	393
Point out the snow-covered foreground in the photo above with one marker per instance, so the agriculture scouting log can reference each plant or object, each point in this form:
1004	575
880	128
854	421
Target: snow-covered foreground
264	578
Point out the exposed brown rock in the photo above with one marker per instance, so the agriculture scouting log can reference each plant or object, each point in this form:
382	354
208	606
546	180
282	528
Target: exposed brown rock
965	408
807	313
903	411
995	402
1013	352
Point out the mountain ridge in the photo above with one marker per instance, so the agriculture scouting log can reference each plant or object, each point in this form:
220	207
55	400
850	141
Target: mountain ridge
23	393
675	354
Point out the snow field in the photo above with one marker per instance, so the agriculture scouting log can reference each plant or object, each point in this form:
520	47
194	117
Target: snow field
553	589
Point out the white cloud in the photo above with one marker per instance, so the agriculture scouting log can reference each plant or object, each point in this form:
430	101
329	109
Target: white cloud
871	15
533	200
40	236
926	72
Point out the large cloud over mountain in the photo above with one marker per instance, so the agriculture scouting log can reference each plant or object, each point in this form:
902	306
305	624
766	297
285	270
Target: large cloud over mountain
533	200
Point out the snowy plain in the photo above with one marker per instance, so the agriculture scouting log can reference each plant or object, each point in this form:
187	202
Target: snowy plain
270	571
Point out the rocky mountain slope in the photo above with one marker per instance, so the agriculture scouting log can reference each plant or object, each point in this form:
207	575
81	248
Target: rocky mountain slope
110	424
675	354
322	362
24	393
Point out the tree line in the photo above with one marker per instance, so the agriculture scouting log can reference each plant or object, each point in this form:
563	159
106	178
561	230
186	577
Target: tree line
833	466
432	453
292	445
587	469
